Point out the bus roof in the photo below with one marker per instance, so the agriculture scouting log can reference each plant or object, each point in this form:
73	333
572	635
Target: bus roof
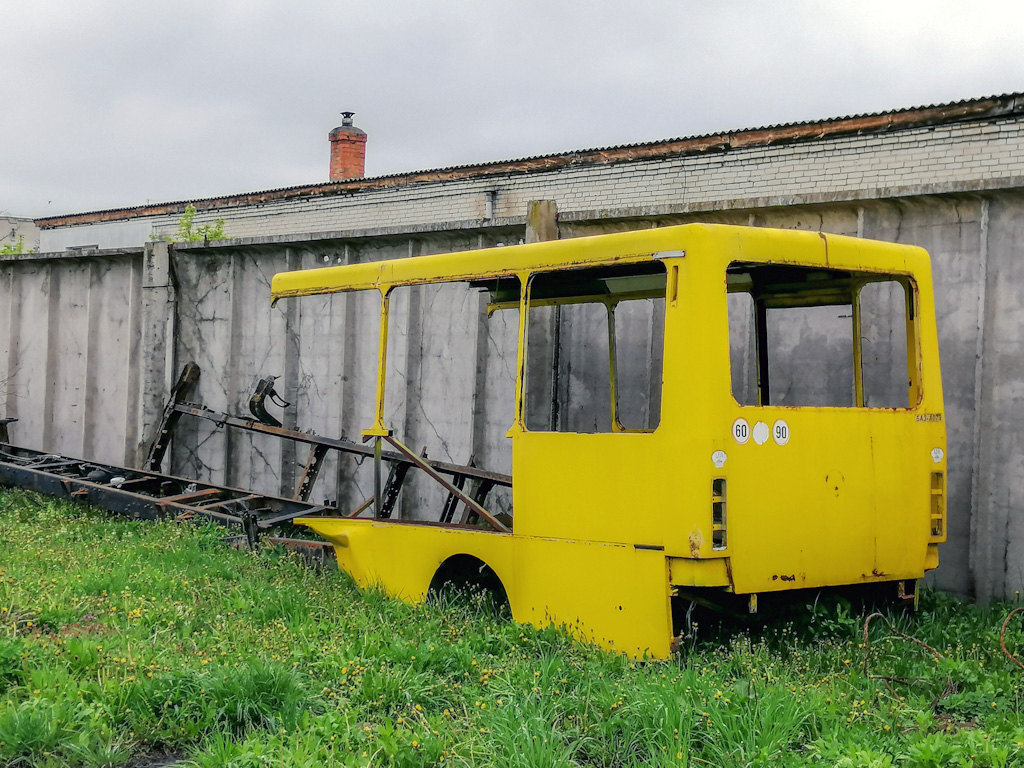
748	243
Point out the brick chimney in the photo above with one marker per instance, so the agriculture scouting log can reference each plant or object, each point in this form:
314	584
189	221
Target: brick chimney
348	150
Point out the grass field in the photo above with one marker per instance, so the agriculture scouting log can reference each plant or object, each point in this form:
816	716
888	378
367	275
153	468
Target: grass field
120	641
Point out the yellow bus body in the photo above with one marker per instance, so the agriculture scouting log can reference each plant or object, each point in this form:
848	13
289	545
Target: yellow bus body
608	527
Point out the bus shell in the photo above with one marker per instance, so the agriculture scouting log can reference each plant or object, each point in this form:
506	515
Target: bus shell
720	496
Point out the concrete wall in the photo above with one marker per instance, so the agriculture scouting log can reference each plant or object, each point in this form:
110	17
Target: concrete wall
450	384
115	234
83	343
69	353
997	522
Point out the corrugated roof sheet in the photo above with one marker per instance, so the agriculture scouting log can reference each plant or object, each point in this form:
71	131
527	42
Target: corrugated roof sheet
986	107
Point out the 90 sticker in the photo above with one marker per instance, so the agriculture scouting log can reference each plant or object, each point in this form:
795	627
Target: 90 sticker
780	432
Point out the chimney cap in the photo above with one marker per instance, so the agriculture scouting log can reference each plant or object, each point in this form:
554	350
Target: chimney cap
346	127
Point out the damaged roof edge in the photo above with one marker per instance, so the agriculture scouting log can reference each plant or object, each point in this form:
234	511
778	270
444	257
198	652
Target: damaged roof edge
989	107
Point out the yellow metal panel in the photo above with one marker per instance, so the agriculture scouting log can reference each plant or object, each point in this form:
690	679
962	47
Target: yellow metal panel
614	596
844	501
788	527
474	265
403	557
600	487
698	573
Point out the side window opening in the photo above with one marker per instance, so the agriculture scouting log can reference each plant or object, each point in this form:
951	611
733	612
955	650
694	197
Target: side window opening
742	347
639	333
575	395
594	349
447	332
811	337
883	338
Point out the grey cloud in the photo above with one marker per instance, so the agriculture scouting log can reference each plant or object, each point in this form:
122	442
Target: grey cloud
115	103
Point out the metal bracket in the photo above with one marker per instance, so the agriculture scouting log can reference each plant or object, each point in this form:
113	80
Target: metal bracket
257	405
393	486
310	472
169	420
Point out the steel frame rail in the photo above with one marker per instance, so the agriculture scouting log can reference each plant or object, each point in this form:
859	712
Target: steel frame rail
147	495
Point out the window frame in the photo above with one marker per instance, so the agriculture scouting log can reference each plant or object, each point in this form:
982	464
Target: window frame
610	303
853	286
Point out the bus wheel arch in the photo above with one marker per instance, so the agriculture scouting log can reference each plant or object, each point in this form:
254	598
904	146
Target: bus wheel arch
467	577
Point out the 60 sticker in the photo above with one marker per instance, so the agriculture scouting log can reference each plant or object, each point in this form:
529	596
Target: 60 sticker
741	431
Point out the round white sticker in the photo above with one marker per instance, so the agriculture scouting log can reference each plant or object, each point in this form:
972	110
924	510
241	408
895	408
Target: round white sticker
937	455
780	432
760	433
740	431
718	458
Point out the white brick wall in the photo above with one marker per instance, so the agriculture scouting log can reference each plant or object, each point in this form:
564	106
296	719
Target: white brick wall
833	168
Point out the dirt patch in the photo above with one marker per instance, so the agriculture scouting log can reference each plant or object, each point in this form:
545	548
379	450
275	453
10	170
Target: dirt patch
952	724
86	627
19	621
157	760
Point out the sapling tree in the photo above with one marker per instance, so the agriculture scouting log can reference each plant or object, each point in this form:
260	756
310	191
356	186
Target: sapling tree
189	232
18	246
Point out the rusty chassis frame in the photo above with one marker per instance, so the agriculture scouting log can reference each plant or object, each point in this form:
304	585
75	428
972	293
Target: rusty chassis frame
386	494
149	494
146	495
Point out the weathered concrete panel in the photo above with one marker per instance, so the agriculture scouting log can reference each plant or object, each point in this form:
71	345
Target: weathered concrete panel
325	350
30	333
68	354
998	513
226	326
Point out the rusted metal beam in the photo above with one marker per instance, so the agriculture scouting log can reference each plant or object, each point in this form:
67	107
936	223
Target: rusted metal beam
452	502
287	517
393	487
194	495
465	499
310	472
145	495
169	420
362	507
320	553
345	446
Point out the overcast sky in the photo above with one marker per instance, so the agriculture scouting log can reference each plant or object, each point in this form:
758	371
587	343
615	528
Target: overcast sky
112	104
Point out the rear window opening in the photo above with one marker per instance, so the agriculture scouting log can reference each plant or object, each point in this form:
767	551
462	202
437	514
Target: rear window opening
811	337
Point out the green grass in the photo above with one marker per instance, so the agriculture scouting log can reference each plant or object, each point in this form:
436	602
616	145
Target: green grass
121	639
